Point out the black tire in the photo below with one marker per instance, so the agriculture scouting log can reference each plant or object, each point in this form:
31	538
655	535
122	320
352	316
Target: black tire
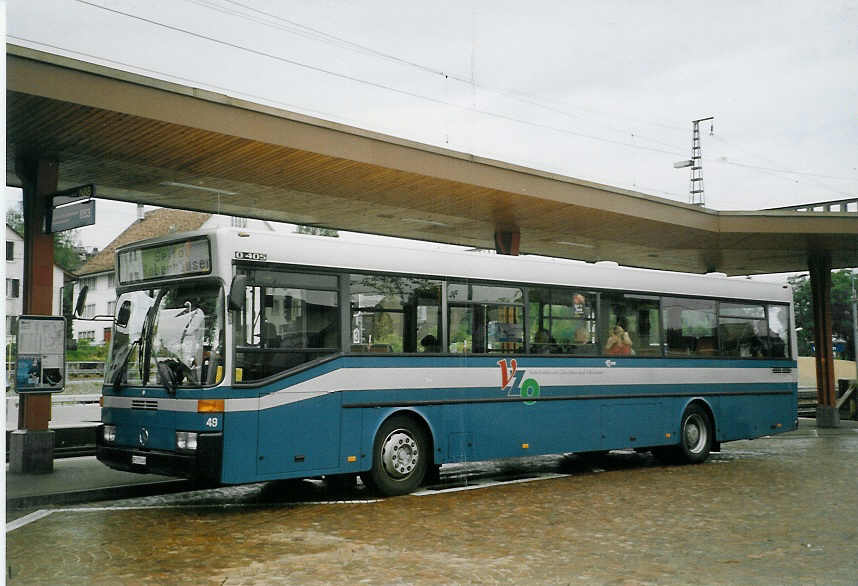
433	474
594	455
666	454
400	457
696	435
341	482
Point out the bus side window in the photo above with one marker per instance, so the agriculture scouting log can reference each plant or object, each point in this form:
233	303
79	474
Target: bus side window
638	317
690	327
485	318
461	328
743	330
561	321
393	314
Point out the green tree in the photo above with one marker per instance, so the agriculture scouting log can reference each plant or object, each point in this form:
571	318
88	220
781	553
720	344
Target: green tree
66	255
841	311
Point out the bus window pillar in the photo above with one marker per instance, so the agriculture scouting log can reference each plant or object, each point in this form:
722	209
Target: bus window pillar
31	448
820	287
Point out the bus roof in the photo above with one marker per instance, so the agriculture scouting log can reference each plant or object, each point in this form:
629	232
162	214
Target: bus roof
434	260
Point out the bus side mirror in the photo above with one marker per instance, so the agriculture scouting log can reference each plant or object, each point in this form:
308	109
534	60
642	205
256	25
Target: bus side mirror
237	292
81	301
124	314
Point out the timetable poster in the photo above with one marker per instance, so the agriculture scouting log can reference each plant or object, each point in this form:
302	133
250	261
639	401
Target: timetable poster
41	348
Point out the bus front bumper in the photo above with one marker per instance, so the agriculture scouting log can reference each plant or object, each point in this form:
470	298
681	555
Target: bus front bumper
202	465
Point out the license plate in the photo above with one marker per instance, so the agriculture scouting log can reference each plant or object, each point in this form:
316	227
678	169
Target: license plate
141	460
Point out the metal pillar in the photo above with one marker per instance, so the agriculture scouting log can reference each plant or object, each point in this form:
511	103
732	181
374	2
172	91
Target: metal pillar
31	448
820	287
855	328
695	189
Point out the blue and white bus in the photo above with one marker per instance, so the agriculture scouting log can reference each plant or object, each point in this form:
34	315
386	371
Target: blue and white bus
241	357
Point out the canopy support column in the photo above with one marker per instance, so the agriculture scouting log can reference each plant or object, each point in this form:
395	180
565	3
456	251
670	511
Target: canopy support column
507	241
31	447
820	287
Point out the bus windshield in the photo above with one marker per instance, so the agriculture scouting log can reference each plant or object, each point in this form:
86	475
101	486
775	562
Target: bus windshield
172	332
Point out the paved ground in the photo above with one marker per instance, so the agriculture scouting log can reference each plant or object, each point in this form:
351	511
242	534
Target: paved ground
77	480
780	510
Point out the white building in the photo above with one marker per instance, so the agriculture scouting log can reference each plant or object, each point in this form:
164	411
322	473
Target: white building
98	273
15	280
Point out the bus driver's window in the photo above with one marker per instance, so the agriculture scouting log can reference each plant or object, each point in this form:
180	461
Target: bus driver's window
289	318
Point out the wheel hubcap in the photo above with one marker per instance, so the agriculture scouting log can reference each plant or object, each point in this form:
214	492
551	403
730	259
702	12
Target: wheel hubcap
399	454
695	433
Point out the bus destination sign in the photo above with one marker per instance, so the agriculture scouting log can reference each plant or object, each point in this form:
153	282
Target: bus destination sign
191	257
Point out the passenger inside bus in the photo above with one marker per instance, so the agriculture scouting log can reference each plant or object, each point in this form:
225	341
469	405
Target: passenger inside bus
619	343
430	344
543	343
270	338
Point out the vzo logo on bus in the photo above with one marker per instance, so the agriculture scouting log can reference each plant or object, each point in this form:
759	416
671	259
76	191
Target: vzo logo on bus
511	380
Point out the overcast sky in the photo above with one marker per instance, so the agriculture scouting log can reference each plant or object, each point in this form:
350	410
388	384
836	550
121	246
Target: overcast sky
603	91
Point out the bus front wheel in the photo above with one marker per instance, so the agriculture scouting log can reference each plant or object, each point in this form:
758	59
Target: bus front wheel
399	457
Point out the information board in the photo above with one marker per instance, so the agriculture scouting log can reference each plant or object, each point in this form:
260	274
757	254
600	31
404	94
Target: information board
41	354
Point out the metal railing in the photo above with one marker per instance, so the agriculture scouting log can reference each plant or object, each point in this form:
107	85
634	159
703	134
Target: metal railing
85	367
836	206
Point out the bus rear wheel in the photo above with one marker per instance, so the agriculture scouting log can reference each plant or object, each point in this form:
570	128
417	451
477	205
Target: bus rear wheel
695	435
399	458
696	438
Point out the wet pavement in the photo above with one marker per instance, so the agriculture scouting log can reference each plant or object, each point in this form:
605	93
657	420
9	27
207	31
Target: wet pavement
779	510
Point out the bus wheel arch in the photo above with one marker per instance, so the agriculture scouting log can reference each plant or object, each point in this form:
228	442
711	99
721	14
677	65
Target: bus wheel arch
697	436
696	432
402	454
710	412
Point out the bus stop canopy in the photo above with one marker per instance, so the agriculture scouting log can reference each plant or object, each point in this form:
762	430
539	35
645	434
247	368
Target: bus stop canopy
148	141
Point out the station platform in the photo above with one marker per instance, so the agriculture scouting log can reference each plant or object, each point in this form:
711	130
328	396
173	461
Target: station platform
85	479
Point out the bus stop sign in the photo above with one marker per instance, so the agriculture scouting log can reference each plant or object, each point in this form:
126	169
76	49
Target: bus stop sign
72	208
73	216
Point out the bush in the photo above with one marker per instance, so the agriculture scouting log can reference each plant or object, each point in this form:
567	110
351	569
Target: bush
87	351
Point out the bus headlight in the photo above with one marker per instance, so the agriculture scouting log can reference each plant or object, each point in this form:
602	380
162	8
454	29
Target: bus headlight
186	440
109	434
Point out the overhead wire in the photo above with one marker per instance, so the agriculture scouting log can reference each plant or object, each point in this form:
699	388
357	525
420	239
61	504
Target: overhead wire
374	84
515	94
318	35
785	174
315	34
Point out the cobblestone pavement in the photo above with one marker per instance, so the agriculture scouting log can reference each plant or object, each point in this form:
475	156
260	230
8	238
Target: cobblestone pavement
781	510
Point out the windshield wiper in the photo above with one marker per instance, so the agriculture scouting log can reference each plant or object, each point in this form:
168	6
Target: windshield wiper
145	349
122	360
